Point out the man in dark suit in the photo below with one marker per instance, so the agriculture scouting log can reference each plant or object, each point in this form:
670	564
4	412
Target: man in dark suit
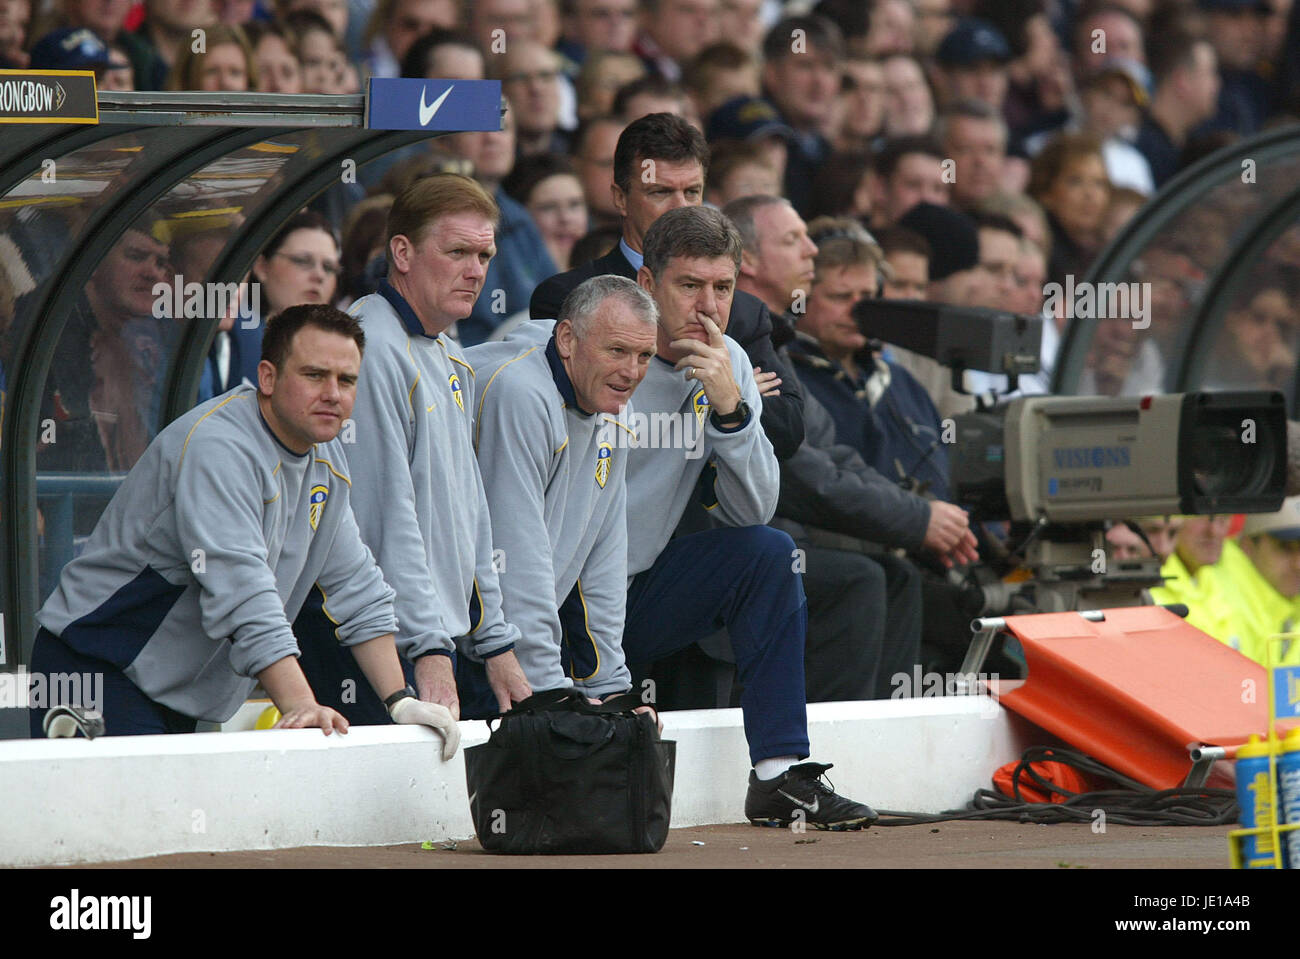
659	165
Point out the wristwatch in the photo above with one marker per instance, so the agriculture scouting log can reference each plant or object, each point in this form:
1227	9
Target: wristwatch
406	692
734	418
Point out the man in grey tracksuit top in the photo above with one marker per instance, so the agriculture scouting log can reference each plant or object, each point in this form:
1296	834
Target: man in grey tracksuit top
703	438
183	595
419	497
553	443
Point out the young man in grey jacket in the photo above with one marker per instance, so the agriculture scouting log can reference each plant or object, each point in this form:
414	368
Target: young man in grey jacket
418	494
183	595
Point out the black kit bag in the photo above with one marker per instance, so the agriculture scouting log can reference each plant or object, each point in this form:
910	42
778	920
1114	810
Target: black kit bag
562	775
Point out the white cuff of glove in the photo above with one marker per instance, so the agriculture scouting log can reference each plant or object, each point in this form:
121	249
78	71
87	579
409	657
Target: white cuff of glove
415	712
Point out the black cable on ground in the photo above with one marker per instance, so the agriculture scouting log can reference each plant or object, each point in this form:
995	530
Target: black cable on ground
1135	804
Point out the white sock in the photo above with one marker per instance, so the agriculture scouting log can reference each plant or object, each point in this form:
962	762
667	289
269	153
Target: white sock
768	769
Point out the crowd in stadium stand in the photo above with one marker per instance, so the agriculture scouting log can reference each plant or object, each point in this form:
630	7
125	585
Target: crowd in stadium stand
963	151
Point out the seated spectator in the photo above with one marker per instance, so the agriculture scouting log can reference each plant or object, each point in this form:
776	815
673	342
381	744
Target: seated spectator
275	58
846	186
166	30
859	119
396	24
1261	332
299	265
234	13
994	287
1236	29
1185	70
1260	574
934	21
909	170
908	256
1155	538
592	27
363	244
444	55
742	22
891	28
530	80
1038	76
1027	214
738	169
953	238
1122	32
1123	206
602	75
497	25
753	120
237	346
107	20
325	67
81	49
777	263
651	94
226	64
549	190
1111	100
878	407
106	377
974	136
673	31
333	12
1068	178
719	73
14	18
972	63
593	159
802	82
909	101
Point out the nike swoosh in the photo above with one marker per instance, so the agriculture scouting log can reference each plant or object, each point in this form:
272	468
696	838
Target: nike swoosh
430	409
811	807
427	110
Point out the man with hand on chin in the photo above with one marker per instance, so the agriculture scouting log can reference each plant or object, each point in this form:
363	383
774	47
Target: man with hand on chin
417	490
742	573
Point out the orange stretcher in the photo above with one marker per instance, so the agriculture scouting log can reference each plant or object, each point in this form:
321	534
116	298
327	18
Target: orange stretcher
1135	687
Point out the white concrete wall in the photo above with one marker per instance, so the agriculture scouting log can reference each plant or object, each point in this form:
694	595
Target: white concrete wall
70	801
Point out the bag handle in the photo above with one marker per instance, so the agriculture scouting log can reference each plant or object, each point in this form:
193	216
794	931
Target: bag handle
569	698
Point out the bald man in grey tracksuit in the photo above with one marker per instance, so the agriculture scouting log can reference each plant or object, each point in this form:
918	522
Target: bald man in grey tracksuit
553	446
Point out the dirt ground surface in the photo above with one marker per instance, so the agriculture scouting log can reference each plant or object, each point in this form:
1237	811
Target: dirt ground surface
949	845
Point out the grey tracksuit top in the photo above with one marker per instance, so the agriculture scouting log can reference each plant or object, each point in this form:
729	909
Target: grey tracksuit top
418	495
676	441
205	554
555	480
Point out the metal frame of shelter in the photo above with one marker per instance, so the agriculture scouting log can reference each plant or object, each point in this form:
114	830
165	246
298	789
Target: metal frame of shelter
189	132
1245	164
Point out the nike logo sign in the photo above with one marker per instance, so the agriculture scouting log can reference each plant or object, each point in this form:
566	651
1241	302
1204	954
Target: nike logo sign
430	409
812	807
427	110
